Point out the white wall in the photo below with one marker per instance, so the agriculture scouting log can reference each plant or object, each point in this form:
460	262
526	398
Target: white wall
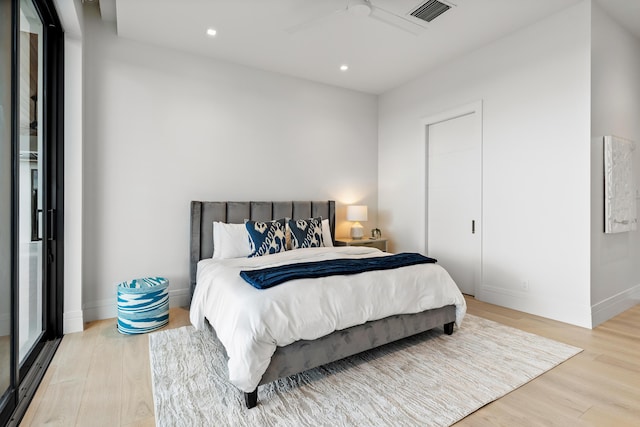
73	318
71	16
615	110
534	85
163	128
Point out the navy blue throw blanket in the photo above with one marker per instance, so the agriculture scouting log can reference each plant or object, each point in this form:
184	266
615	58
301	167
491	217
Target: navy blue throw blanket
264	278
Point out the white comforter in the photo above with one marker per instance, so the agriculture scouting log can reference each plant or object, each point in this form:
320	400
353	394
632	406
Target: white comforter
251	323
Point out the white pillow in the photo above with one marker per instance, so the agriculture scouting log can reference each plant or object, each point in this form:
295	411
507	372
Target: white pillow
230	241
326	234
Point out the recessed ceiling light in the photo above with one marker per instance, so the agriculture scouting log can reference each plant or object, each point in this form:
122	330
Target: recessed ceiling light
344	67
211	32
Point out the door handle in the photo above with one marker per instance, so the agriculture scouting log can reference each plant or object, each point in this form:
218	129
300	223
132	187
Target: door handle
473	226
52	224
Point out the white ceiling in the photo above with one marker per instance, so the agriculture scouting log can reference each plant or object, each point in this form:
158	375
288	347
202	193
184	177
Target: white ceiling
380	56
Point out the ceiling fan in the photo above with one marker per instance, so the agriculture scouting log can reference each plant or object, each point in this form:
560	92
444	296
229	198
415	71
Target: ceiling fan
365	8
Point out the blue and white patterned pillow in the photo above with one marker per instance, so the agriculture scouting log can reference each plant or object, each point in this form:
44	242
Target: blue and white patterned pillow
266	237
306	233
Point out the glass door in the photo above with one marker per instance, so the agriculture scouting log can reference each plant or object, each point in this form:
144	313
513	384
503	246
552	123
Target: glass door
30	174
31	185
5	202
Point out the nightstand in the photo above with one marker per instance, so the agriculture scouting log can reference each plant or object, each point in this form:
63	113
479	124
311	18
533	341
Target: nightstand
373	243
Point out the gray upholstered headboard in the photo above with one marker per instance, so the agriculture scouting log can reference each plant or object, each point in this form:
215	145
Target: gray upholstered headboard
203	214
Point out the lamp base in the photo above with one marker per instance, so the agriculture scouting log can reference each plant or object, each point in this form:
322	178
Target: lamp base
357	231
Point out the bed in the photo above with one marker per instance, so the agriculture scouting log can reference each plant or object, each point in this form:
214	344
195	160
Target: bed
294	354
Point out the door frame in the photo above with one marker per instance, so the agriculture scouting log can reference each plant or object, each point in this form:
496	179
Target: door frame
474	108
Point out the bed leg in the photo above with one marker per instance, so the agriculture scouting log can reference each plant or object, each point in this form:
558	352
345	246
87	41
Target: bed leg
448	328
251	399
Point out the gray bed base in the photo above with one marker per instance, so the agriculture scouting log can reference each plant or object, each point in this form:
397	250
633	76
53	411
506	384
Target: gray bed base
302	355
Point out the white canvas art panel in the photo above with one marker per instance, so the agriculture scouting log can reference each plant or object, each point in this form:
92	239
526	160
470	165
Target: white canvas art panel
619	183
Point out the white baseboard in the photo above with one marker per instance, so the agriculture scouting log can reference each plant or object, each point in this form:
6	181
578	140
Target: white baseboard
108	308
529	302
612	306
100	309
72	321
180	298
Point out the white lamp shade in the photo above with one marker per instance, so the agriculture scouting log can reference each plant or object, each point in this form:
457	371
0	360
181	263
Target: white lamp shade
356	213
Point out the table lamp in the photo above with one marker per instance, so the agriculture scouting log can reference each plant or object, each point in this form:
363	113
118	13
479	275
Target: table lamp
356	213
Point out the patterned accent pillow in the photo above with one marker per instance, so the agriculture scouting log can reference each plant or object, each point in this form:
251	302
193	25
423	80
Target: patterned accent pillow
306	233
266	237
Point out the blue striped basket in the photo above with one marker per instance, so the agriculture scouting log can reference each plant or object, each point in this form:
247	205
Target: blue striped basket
143	305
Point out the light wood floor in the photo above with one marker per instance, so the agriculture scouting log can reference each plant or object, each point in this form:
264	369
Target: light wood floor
101	378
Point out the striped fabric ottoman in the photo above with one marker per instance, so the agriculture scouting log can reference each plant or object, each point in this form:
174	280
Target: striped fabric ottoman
143	305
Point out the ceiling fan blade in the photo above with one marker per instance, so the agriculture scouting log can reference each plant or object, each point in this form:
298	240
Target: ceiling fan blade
317	20
396	20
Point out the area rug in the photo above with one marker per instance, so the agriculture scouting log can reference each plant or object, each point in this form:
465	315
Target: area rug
431	379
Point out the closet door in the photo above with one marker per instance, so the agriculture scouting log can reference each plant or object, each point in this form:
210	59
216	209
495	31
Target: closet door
454	198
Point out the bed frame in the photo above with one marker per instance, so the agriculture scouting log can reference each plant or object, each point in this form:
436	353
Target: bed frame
302	355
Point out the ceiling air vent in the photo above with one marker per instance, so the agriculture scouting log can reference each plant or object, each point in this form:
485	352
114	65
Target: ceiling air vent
430	10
